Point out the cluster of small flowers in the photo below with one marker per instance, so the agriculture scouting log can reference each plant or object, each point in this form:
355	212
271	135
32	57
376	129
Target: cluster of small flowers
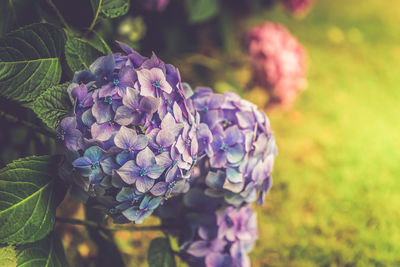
133	136
212	235
240	149
139	136
298	7
279	62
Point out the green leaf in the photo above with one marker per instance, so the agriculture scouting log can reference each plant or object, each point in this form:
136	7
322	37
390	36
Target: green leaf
16	13
8	256
48	252
110	8
114	8
201	10
80	54
29	61
98	42
53	105
160	253
28	199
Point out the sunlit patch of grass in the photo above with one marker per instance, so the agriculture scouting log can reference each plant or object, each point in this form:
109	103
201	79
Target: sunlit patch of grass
335	198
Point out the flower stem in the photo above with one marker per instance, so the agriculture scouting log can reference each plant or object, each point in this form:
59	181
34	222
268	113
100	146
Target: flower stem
63	21
27	124
94	224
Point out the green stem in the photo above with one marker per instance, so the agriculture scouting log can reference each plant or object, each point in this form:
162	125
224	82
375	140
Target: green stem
95	16
27	124
63	21
94	224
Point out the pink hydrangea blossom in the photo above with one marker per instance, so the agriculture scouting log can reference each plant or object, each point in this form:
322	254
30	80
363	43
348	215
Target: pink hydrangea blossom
279	62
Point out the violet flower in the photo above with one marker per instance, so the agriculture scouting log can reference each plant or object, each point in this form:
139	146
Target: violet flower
69	133
152	82
142	172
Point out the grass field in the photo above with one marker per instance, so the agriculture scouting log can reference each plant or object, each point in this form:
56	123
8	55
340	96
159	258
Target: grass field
335	200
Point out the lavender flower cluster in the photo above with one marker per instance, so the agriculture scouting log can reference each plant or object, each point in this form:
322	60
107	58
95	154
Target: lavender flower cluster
133	132
241	153
141	142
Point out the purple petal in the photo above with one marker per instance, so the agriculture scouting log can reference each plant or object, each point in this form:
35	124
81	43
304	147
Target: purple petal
159	189
108	89
177	112
72	140
124	115
125	138
126	76
102	111
146	79
81	162
245	119
131	99
165	138
235	153
141	142
199	248
234	176
163	160
233	135
87	118
149	104
108	165
144	184
129	172
217	260
68	124
172	174
155	171
101	132
218	160
145	158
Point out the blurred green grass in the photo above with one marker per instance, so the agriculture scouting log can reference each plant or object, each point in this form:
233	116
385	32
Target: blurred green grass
335	199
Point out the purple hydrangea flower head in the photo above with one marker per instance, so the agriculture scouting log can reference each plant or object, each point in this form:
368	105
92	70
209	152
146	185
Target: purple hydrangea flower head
240	157
132	127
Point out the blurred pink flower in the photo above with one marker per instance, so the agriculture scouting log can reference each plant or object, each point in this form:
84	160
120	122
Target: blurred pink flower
279	62
158	5
298	7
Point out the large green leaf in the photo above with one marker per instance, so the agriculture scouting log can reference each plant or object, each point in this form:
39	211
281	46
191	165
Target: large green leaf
160	253
29	61
110	8
52	105
47	252
28	199
80	54
15	13
8	256
201	10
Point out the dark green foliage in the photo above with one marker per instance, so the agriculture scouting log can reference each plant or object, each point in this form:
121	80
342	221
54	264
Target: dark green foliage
160	253
27	199
47	252
80	54
53	105
201	10
29	61
108	252
110	8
